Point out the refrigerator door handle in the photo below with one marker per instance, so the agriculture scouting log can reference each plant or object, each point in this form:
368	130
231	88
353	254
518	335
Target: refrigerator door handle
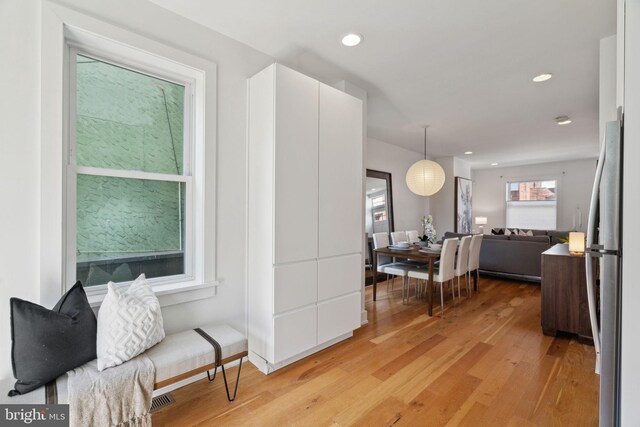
590	243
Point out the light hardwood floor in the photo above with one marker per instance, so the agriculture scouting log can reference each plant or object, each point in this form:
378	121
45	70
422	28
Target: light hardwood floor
485	364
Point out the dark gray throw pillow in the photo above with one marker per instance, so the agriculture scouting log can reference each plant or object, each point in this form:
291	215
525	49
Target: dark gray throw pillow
47	343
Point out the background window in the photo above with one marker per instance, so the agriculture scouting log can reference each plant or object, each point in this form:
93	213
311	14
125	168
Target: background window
132	178
531	205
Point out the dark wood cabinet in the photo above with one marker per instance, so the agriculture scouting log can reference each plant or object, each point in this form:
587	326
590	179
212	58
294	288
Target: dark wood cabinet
564	293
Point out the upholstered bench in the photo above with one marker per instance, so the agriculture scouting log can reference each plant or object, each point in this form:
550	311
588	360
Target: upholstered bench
177	357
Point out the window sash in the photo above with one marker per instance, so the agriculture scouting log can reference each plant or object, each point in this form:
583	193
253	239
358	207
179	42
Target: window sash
510	183
72	169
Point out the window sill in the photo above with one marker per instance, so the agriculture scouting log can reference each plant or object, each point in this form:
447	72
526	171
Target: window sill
171	293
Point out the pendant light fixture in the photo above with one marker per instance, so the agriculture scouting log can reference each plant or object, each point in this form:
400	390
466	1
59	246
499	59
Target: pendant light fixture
425	177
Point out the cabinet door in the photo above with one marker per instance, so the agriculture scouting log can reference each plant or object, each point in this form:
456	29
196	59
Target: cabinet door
338	316
339	276
341	174
296	167
295	285
294	333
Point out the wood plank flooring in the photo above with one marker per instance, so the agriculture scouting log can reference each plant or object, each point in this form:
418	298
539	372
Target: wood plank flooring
485	364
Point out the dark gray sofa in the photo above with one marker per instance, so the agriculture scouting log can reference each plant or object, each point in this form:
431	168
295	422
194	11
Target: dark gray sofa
514	255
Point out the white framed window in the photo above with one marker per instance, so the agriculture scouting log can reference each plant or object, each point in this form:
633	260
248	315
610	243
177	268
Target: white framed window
134	178
532	204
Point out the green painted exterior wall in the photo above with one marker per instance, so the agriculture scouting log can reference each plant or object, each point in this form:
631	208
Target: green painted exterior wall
127	120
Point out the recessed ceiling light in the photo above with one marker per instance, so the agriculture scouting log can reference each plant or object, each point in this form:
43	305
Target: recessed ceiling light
351	39
563	120
468	152
494	164
542	77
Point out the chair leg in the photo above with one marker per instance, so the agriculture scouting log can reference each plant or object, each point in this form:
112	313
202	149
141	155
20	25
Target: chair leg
478	276
441	301
405	290
459	294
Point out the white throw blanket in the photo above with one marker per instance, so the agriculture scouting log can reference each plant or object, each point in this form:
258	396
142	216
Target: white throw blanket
118	396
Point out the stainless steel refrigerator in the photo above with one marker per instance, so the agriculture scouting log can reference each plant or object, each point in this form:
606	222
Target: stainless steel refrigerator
604	242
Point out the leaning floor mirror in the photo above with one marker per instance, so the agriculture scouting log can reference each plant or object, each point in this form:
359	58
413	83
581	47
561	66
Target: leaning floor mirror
378	212
378	203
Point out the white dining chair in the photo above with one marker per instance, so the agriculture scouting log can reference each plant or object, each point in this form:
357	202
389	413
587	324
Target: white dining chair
381	240
446	271
474	258
412	236
398	236
462	263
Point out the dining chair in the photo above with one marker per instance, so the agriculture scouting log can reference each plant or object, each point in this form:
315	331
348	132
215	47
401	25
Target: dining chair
398	236
446	270
412	236
462	263
367	257
381	240
474	258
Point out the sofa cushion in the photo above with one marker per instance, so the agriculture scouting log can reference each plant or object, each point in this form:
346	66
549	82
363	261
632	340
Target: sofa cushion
47	343
495	237
541	239
557	235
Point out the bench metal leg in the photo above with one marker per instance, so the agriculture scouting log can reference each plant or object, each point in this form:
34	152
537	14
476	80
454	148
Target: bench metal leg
215	372
226	385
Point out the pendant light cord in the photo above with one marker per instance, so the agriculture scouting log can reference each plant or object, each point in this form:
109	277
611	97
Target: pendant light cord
425	143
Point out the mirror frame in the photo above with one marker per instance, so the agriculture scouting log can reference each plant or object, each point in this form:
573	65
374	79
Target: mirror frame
371	173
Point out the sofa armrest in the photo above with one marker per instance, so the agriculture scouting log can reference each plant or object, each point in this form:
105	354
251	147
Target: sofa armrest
513	257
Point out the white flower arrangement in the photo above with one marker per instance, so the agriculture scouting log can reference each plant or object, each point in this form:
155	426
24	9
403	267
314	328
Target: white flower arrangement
428	231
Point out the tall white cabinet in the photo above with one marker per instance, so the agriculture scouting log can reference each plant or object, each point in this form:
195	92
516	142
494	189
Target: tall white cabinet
305	216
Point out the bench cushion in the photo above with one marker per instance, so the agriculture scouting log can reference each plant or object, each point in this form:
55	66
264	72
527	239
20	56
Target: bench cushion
177	354
185	351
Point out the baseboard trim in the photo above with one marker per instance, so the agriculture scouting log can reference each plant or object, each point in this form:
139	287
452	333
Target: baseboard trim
266	368
363	318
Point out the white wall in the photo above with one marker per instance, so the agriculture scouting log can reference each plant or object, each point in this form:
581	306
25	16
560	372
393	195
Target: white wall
443	202
20	145
631	207
408	208
575	180
20	162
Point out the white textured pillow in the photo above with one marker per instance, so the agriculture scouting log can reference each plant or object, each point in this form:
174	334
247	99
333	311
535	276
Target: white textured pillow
529	233
507	232
129	322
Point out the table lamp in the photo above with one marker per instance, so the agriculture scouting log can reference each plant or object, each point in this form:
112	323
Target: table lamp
576	242
481	221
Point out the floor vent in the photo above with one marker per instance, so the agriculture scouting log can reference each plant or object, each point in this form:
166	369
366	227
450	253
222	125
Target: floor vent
161	401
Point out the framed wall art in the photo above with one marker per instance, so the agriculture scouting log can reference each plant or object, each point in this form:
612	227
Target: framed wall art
463	205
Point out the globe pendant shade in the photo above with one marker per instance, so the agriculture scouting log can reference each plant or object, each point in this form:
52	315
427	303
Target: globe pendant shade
425	178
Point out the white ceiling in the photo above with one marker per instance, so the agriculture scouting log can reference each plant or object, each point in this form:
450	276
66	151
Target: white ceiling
462	67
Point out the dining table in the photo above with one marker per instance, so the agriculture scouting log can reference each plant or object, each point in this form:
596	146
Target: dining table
428	256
